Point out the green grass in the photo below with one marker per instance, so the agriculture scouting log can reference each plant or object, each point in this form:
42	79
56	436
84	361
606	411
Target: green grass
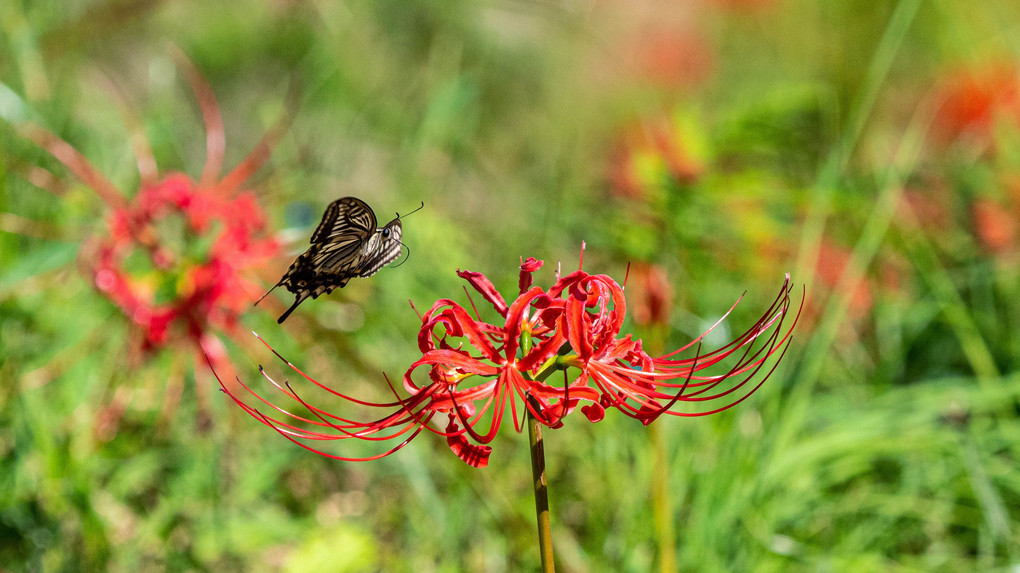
888	440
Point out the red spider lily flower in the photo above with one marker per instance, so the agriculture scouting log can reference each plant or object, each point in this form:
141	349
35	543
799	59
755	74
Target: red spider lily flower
753	5
191	283
644	387
971	103
175	256
655	302
994	225
476	368
652	153
672	58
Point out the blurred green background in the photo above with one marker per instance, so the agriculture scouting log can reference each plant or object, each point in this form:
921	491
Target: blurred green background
872	149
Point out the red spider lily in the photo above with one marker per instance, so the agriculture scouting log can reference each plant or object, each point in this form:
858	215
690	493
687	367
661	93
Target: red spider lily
203	287
672	57
994	226
652	153
973	101
643	387
655	300
174	256
475	368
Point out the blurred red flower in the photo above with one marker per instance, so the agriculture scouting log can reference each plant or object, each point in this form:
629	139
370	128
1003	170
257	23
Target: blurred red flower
194	281
654	152
994	225
475	368
672	58
972	101
832	264
655	302
176	255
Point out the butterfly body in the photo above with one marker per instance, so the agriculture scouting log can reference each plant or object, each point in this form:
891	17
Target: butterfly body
346	244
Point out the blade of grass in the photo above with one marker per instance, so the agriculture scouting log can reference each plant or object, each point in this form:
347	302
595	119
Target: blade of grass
835	311
957	313
837	160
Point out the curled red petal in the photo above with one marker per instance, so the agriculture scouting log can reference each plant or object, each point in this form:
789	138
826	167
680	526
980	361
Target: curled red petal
594	412
453	358
459	323
474	455
528	266
514	318
566	282
578	329
484	286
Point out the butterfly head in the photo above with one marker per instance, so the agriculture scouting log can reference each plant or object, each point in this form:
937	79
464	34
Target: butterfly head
392	231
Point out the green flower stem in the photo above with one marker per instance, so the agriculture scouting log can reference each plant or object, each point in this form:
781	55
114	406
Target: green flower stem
541	493
545	546
662	508
662	498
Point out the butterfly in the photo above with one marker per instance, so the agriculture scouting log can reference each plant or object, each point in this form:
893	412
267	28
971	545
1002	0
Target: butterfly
345	245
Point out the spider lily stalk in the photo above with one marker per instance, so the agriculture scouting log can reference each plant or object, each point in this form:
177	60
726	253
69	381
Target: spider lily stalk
178	257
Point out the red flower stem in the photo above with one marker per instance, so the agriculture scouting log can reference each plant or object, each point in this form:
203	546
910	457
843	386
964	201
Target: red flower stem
541	493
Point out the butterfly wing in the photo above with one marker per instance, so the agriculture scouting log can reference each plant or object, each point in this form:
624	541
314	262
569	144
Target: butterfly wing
382	249
346	225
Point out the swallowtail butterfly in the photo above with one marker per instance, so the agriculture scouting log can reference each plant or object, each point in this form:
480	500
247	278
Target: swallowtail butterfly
345	245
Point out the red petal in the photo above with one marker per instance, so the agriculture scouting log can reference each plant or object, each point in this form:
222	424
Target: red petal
214	137
471	454
527	267
488	290
514	315
595	412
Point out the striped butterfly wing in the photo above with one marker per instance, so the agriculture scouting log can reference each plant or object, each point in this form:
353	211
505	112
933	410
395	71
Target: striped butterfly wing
346	244
347	227
382	249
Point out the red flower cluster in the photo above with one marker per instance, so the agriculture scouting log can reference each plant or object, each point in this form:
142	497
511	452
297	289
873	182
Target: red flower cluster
995	226
177	254
671	57
651	153
174	255
972	102
474	368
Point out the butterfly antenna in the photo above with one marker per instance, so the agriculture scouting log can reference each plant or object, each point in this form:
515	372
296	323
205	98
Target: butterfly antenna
420	207
267	293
